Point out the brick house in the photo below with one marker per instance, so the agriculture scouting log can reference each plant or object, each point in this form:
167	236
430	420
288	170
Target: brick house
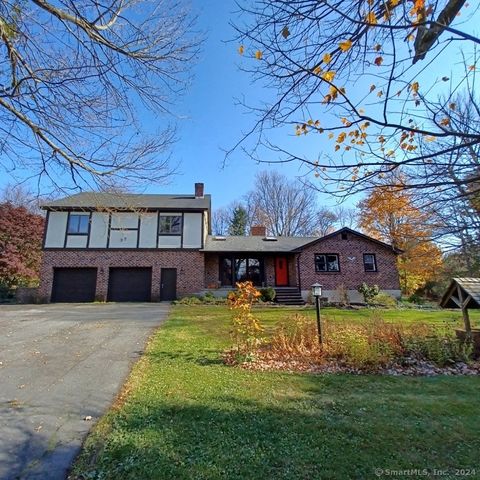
128	247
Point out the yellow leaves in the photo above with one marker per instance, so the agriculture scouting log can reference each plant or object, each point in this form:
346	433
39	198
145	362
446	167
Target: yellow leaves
411	37
317	70
258	55
445	122
241	49
301	129
331	135
394	3
380	93
332	94
430	138
337	148
327	58
414	88
378	61
341	137
377	47
345	46
372	88
418	8
371	18
390	153
329	76
471	68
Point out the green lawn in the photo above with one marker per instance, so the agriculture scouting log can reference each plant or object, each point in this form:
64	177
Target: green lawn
187	416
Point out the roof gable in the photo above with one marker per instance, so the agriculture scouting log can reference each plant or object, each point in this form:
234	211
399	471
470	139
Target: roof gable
470	292
353	232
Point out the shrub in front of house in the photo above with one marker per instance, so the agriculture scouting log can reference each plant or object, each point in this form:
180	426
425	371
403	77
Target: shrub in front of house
267	294
369	292
383	299
363	345
246	327
207	299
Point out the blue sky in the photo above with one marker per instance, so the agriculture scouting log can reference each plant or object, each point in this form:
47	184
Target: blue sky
215	122
210	121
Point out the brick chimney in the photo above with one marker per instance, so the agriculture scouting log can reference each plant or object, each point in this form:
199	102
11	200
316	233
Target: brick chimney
258	230
199	190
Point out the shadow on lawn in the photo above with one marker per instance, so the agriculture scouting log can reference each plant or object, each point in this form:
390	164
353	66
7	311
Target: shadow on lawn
337	431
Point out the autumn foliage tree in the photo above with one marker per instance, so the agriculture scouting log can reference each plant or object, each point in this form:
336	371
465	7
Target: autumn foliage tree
390	216
370	87
21	235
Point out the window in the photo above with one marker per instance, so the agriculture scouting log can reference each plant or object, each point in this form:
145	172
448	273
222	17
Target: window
170	225
78	224
239	269
327	262
369	262
344	236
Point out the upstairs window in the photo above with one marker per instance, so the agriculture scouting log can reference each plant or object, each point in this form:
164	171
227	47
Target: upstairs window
369	262
327	262
170	225
78	224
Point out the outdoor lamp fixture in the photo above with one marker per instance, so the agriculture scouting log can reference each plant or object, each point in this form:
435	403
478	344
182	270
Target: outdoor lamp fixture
317	293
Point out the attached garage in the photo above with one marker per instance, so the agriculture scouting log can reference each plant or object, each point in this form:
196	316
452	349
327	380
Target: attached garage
74	284
129	285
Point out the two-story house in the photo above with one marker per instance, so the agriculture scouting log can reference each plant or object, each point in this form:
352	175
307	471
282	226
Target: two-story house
128	247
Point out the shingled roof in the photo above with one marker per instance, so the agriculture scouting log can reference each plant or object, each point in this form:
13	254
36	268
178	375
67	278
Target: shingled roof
254	244
470	288
257	243
128	201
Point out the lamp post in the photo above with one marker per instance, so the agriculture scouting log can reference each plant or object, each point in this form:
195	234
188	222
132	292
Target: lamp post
317	293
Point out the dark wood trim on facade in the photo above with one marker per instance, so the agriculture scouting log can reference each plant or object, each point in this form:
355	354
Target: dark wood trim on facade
327	271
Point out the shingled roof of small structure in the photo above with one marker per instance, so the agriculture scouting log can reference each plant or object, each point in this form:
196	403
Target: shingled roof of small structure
470	289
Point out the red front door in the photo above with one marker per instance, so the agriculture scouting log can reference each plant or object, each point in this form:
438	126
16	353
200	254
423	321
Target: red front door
281	272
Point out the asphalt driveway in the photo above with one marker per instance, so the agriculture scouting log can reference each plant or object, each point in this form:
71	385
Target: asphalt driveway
61	364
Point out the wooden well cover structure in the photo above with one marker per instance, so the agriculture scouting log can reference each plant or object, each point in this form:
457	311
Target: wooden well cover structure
462	293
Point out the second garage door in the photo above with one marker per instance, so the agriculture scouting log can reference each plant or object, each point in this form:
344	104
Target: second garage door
130	285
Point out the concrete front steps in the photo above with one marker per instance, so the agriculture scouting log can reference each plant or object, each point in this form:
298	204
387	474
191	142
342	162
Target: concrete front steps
288	296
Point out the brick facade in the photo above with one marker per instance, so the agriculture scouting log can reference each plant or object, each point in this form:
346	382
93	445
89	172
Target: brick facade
352	272
198	270
189	264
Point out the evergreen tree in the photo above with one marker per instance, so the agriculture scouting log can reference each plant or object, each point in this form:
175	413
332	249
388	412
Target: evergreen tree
238	223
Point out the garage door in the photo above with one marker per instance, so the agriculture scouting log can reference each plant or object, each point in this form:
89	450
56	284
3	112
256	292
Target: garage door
130	285
74	284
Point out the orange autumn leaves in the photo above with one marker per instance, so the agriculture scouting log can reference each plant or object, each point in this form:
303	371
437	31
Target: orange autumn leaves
388	214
